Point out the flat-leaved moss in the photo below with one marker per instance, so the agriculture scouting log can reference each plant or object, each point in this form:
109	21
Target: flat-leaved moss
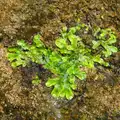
69	58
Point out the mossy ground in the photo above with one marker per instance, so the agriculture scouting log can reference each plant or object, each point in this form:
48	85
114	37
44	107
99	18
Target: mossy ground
97	98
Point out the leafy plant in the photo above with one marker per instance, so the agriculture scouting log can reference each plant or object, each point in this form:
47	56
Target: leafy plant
24	53
36	80
68	60
105	39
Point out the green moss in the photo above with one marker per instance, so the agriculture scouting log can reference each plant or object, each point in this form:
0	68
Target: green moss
68	60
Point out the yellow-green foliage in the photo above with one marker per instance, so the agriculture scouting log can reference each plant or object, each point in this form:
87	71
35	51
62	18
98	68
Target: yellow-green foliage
70	55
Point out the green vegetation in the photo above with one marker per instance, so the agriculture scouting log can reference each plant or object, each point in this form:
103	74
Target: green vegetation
71	56
105	39
36	80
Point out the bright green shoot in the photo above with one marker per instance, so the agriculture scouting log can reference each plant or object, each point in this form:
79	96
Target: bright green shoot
68	60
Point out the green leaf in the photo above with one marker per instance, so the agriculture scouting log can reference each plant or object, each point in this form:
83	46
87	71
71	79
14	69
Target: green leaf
52	82
72	79
13	49
14	64
61	43
70	70
55	57
65	59
64	35
64	29
72	30
90	64
69	93
65	51
81	75
36	80
22	44
109	50
56	90
106	64
36	38
112	39
12	56
113	48
98	59
18	63
74	39
103	33
69	47
38	41
62	93
97	31
107	53
96	44
73	86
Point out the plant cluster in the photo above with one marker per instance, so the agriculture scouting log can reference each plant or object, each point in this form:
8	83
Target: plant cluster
68	60
36	80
